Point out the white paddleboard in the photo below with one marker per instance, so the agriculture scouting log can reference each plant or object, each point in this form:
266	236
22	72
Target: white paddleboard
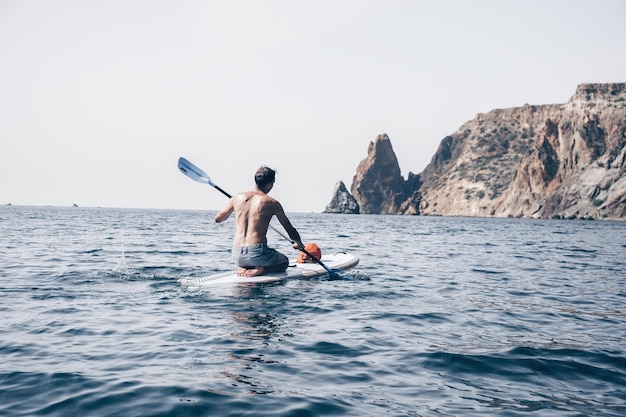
340	261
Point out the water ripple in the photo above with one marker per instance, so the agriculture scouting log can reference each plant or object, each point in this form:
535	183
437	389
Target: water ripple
442	317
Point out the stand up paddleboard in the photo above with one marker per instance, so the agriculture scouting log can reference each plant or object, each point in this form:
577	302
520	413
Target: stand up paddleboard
339	261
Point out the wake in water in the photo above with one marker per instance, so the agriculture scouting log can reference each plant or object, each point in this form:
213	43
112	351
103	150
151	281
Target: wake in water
349	275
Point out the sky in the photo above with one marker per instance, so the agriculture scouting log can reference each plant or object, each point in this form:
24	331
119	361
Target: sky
99	99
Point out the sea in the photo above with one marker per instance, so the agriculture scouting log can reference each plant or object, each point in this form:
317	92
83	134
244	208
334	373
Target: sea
443	316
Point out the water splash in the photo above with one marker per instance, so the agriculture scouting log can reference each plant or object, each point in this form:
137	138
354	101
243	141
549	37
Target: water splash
122	267
350	275
358	275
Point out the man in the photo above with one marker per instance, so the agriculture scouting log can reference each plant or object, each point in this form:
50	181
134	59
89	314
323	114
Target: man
253	212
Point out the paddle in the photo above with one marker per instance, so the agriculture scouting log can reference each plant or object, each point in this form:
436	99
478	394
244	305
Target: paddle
199	175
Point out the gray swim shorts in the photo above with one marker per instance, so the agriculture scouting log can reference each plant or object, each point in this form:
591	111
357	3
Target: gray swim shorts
258	255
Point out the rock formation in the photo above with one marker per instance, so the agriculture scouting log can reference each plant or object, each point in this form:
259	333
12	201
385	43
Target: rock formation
547	161
342	201
378	185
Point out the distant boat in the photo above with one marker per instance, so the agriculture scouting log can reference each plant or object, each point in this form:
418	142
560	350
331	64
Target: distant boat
74	205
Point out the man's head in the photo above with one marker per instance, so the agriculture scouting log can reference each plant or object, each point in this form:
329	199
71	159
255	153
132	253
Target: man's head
264	177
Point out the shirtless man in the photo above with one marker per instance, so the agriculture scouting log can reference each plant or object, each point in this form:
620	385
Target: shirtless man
253	212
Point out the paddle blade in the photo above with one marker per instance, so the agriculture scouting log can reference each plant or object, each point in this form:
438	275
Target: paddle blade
193	172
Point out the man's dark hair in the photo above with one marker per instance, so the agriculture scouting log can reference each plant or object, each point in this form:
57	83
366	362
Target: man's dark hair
264	176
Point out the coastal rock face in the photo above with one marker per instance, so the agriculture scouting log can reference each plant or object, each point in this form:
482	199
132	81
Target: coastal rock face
378	185
547	161
550	161
342	201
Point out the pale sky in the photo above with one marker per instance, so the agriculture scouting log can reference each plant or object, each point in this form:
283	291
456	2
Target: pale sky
98	99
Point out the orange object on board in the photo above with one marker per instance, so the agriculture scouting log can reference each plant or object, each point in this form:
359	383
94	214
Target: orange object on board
313	249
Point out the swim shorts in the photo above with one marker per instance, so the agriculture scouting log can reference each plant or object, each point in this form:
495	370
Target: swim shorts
258	255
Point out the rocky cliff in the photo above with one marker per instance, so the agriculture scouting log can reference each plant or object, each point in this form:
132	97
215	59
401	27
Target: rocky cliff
548	161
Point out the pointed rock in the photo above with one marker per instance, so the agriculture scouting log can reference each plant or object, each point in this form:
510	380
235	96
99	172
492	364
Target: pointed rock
378	185
342	201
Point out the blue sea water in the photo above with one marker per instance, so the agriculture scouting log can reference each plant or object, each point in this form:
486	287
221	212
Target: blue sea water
442	317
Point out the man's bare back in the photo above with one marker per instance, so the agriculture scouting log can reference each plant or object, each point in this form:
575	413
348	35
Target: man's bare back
254	210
